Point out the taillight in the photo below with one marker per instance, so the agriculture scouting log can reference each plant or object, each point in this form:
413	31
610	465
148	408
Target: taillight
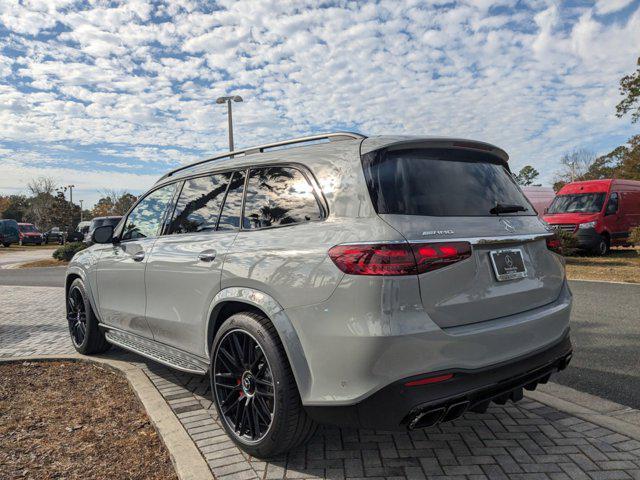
397	258
554	244
431	256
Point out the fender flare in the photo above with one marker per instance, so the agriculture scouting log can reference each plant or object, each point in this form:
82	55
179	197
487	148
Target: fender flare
75	270
274	311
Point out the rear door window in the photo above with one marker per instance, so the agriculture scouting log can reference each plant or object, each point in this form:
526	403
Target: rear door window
440	182
198	206
279	196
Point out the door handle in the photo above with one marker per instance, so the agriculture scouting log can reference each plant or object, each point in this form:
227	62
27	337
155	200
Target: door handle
138	256
207	256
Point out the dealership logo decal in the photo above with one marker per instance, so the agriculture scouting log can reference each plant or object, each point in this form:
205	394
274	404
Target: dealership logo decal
507	226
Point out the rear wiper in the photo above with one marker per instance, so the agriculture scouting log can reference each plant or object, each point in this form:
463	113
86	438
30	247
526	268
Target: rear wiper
506	208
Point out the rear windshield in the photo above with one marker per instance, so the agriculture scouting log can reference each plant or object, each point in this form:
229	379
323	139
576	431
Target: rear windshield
441	182
27	228
577	203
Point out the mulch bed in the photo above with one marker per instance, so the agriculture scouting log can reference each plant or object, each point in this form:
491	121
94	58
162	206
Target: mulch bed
73	420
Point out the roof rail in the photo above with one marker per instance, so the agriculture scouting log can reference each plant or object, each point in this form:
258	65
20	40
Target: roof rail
332	137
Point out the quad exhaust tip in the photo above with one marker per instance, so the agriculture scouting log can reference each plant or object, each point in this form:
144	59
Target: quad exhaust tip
430	416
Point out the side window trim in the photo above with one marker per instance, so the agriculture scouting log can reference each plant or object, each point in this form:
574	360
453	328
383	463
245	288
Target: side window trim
224	199
314	190
125	219
168	218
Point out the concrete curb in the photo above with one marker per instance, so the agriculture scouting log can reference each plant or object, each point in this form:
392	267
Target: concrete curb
607	414
187	460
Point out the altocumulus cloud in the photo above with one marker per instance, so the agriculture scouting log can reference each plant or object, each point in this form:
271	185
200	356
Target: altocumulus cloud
109	94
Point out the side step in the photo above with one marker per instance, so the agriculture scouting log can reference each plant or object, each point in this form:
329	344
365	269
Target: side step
172	357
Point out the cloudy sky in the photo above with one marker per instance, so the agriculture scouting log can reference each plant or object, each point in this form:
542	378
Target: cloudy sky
110	95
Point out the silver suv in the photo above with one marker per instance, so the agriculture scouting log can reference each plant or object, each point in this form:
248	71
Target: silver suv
382	282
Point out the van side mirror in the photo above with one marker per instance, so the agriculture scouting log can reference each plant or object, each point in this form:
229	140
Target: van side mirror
103	234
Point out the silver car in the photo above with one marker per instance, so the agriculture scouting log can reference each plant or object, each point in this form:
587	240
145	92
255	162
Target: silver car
381	282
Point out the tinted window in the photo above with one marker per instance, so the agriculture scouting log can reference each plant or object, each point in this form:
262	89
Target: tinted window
199	204
440	182
145	219
612	206
232	210
577	203
279	196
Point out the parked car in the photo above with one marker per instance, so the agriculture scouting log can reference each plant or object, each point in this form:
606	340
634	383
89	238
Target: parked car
9	232
600	213
29	234
383	283
100	222
539	197
55	235
78	235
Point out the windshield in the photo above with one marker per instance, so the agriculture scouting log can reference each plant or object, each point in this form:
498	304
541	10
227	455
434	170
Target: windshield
442	182
27	228
577	203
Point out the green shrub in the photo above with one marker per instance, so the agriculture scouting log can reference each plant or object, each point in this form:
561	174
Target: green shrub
569	243
67	251
634	237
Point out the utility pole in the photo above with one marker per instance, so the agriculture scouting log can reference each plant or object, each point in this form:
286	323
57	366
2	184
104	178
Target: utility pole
80	209
228	100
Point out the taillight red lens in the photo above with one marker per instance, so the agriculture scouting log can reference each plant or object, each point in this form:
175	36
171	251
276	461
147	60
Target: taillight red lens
431	256
554	244
382	259
397	258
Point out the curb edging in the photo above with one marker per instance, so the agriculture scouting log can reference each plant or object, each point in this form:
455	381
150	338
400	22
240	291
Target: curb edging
187	460
597	410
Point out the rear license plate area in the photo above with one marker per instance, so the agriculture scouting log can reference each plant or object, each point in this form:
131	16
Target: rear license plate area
508	264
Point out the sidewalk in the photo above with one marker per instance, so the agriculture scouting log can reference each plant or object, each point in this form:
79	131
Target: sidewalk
549	435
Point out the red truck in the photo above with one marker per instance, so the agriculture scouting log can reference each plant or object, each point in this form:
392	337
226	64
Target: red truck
600	213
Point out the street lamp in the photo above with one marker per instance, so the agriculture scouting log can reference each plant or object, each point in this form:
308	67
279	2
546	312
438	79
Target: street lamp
228	100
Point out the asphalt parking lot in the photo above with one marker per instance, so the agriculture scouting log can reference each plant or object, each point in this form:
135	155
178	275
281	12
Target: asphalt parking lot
605	333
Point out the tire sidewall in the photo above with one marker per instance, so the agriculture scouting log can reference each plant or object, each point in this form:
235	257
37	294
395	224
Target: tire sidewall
91	323
245	322
603	247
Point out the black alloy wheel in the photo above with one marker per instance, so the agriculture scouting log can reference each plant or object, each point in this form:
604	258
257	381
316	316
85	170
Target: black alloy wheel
244	387
76	316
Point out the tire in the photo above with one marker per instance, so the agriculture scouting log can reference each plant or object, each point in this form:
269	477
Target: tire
603	246
86	336
247	390
6	245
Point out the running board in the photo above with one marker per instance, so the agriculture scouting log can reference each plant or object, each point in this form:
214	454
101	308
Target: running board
172	357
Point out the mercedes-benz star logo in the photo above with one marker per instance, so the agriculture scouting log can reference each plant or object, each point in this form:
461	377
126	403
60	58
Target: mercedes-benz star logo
508	261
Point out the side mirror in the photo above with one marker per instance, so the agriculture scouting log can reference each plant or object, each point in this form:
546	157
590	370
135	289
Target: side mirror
103	234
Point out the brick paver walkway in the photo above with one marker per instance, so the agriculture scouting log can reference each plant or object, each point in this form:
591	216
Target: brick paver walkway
528	440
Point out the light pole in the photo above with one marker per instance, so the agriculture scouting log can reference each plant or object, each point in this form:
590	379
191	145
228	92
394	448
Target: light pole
227	100
80	209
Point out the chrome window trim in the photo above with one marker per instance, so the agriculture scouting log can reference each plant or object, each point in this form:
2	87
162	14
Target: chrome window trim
472	240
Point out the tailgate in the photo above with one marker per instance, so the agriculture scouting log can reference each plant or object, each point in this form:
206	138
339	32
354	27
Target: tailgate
469	291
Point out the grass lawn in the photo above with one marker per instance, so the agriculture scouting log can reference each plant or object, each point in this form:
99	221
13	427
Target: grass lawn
73	420
48	262
620	265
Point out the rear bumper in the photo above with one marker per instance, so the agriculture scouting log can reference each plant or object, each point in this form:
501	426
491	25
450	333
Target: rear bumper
399	407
